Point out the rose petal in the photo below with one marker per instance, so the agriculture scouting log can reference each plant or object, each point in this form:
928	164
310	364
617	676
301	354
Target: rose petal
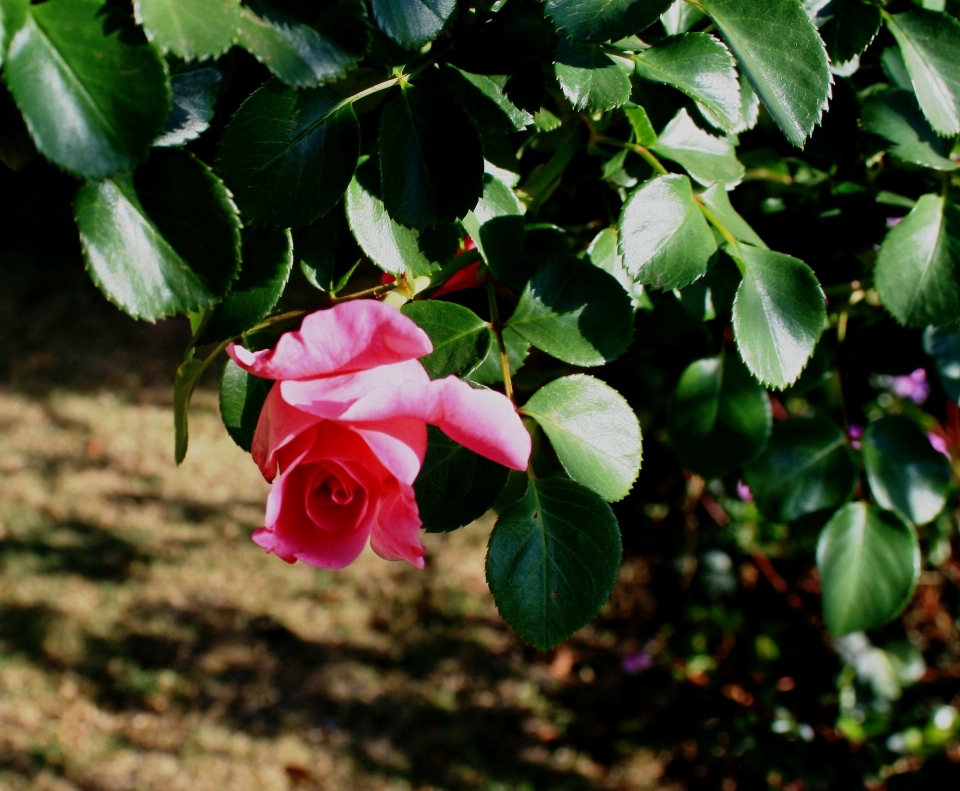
279	424
396	534
350	336
399	444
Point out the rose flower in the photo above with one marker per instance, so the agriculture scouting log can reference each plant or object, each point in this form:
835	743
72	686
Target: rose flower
343	433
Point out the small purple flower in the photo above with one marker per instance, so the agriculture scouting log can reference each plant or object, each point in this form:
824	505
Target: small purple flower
893	222
636	663
913	386
855	432
743	492
939	443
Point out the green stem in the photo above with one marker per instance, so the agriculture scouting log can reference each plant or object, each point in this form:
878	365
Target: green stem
498	333
643	151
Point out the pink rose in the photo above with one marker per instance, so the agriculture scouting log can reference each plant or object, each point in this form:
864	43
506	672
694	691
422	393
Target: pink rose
344	433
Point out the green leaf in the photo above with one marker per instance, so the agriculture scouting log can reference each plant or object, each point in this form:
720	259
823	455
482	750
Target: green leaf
13	14
431	158
664	239
267	261
850	29
92	90
604	20
806	467
680	17
894	115
575	312
196	88
701	67
594	431
305	55
906	474
589	78
162	241
604	252
642	127
485	102
717	200
242	396
918	268
490	371
455	486
708	159
288	155
497	227
719	418
778	315
943	345
783	56
188	374
553	559
930	44
190	28
460	337
388	244
895	69
315	246
412	23
869	562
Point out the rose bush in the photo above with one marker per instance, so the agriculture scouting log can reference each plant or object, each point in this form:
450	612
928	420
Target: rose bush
344	433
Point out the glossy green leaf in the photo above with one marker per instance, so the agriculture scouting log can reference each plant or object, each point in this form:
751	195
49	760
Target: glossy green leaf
701	67
242	396
553	560
460	337
604	252
13	14
850	29
894	115
490	370
680	17
412	23
906	474
664	239
267	262
497	227
593	430
94	101
190	28
719	418
455	486
918	268
301	54
778	315
869	562
315	246
943	345
486	103
707	158
185	382
288	155
391	246
806	467
781	53
930	44
431	159
603	20
162	241
589	78
196	88
642	127
717	200
895	69
575	312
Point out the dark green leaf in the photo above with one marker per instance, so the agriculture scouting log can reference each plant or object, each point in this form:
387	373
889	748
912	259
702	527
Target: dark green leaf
190	28
593	431
188	374
906	474
316	248
301	54
918	268
553	560
575	312
783	56
850	29
460	337
930	44
642	127
717	200
590	79
894	115
267	262
664	239
431	159
896	69
195	92
490	371
701	67
162	241
485	102
94	101
497	227
680	17
708	159
943	345
778	315
241	398
869	562
604	252
719	418
604	20
288	155
412	23
13	13
807	467
455	486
